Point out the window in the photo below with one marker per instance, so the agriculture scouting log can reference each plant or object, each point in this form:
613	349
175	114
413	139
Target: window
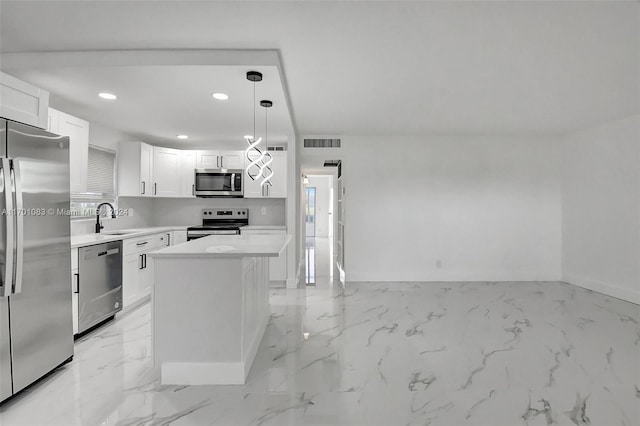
100	184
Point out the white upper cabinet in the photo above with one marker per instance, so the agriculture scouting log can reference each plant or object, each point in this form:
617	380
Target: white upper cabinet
187	171
166	172
23	102
135	169
231	159
278	187
77	130
207	160
219	159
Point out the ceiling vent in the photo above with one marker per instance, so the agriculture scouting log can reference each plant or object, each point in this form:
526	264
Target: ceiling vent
276	148
322	143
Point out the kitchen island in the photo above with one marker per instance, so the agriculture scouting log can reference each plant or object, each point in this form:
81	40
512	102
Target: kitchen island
211	307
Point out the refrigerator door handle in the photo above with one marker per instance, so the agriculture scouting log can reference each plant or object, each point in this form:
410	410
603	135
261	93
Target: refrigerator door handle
17	184
7	279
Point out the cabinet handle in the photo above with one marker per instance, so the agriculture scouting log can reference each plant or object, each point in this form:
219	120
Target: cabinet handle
193	189
142	243
155	189
222	162
141	262
168	239
145	260
144	187
76	290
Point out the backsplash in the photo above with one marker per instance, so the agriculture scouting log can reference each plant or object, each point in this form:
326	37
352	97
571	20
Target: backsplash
182	211
142	209
187	211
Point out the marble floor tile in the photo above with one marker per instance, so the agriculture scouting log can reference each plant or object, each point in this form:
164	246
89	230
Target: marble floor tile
489	354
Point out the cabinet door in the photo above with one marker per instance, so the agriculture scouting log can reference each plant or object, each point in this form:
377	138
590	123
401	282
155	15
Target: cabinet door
166	172
146	170
74	299
131	267
278	188
232	159
207	160
23	102
78	132
53	116
187	167
146	276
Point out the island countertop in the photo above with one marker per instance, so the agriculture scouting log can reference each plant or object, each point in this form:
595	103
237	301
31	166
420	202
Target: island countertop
225	246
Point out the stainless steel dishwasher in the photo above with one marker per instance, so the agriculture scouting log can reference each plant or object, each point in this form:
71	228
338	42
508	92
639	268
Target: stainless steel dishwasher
99	283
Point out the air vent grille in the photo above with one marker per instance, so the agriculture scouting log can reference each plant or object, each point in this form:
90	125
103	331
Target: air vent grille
276	148
322	143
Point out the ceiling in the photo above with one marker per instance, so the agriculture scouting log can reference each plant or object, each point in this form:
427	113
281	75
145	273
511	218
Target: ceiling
156	103
385	68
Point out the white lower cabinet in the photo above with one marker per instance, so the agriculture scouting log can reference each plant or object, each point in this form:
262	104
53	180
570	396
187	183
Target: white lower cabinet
137	265
74	289
277	265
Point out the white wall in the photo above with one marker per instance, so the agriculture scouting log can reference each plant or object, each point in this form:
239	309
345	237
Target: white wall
323	221
601	208
452	208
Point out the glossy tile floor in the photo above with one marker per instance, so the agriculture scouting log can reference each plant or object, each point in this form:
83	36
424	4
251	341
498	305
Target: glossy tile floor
377	354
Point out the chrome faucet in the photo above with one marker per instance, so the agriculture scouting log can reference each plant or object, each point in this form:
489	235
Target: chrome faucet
98	224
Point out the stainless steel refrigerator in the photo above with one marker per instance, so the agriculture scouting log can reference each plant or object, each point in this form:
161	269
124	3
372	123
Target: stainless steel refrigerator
36	332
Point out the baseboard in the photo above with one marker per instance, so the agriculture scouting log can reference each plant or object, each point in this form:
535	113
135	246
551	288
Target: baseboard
452	276
604	288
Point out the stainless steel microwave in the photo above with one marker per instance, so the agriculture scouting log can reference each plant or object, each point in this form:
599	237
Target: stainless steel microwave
219	183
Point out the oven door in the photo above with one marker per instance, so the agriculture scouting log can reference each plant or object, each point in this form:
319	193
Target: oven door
218	183
192	235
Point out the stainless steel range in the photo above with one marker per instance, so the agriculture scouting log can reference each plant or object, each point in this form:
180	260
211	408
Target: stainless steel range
219	222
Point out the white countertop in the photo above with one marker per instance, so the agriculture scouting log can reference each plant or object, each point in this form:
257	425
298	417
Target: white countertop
106	236
263	228
225	246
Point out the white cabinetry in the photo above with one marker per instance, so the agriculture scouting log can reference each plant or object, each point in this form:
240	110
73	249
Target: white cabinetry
278	187
75	284
187	173
137	271
220	159
77	130
166	172
277	265
135	169
23	102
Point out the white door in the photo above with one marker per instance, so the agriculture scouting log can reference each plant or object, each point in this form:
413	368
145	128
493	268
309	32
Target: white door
166	172
146	170
188	175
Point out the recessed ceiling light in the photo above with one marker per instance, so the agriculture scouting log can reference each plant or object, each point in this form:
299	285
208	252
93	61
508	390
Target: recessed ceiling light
183	136
220	96
109	96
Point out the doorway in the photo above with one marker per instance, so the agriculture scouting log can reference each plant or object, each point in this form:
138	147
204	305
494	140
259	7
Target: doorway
319	229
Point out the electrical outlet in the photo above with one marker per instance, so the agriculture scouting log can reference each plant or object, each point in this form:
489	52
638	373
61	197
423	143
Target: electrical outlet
263	211
129	212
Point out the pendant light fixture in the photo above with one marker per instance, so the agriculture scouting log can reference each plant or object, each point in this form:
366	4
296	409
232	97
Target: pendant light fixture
266	173
253	153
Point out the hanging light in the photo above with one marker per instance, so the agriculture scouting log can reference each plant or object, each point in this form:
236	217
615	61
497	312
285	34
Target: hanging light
254	167
265	171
